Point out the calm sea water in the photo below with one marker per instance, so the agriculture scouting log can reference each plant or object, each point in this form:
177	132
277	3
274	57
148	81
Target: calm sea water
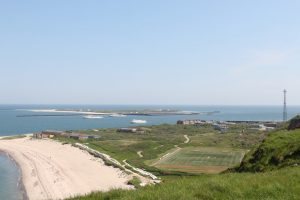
11	124
9	179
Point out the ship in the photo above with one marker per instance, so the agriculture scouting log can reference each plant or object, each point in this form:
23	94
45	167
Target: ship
138	121
92	117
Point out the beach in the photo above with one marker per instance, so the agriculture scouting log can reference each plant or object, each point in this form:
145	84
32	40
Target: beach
51	170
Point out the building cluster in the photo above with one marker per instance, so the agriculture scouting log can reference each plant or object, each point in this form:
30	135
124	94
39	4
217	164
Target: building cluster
217	125
191	122
263	126
220	127
73	135
224	125
131	130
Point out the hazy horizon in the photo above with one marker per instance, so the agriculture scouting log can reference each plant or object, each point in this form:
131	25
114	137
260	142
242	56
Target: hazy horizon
168	105
149	52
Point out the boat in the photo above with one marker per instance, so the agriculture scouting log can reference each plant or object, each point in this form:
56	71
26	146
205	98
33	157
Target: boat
117	115
92	117
138	121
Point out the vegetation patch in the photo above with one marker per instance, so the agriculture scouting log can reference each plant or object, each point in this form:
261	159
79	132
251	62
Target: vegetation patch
135	181
294	123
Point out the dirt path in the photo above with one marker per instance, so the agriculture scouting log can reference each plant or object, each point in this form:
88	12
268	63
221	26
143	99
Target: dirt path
187	139
140	154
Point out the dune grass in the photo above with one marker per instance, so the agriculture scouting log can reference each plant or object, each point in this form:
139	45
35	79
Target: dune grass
12	137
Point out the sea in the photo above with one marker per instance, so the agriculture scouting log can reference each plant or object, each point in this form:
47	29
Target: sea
19	119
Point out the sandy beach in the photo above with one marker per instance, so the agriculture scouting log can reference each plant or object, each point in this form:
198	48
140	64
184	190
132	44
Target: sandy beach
51	170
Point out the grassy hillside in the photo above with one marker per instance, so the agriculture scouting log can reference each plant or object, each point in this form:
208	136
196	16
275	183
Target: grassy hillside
278	150
159	140
279	184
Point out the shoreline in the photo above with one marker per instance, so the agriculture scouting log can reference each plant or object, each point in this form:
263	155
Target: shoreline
42	177
20	183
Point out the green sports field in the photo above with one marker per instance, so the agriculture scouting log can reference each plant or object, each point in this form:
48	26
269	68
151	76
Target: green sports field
200	160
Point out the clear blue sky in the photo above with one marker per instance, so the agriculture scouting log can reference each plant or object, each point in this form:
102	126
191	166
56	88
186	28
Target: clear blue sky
149	52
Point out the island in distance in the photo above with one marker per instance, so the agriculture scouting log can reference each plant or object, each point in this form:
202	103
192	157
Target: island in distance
115	113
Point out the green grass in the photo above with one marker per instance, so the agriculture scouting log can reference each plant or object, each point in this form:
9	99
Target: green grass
282	184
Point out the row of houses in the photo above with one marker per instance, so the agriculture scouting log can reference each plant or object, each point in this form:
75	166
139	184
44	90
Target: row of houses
73	135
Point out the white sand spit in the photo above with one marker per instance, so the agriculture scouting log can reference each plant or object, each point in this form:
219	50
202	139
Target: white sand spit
51	170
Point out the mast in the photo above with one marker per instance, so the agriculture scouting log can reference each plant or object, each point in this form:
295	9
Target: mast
284	106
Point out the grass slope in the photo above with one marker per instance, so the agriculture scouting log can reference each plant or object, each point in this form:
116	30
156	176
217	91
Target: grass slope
278	150
280	184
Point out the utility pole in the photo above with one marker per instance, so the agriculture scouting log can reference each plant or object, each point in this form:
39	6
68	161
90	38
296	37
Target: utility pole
284	106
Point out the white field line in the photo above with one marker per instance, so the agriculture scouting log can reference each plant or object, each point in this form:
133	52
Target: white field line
242	157
167	155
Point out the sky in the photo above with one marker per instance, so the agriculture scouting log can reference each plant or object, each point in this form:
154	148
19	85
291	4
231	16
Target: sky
202	52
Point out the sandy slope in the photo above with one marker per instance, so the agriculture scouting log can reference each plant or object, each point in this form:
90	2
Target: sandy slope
54	171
